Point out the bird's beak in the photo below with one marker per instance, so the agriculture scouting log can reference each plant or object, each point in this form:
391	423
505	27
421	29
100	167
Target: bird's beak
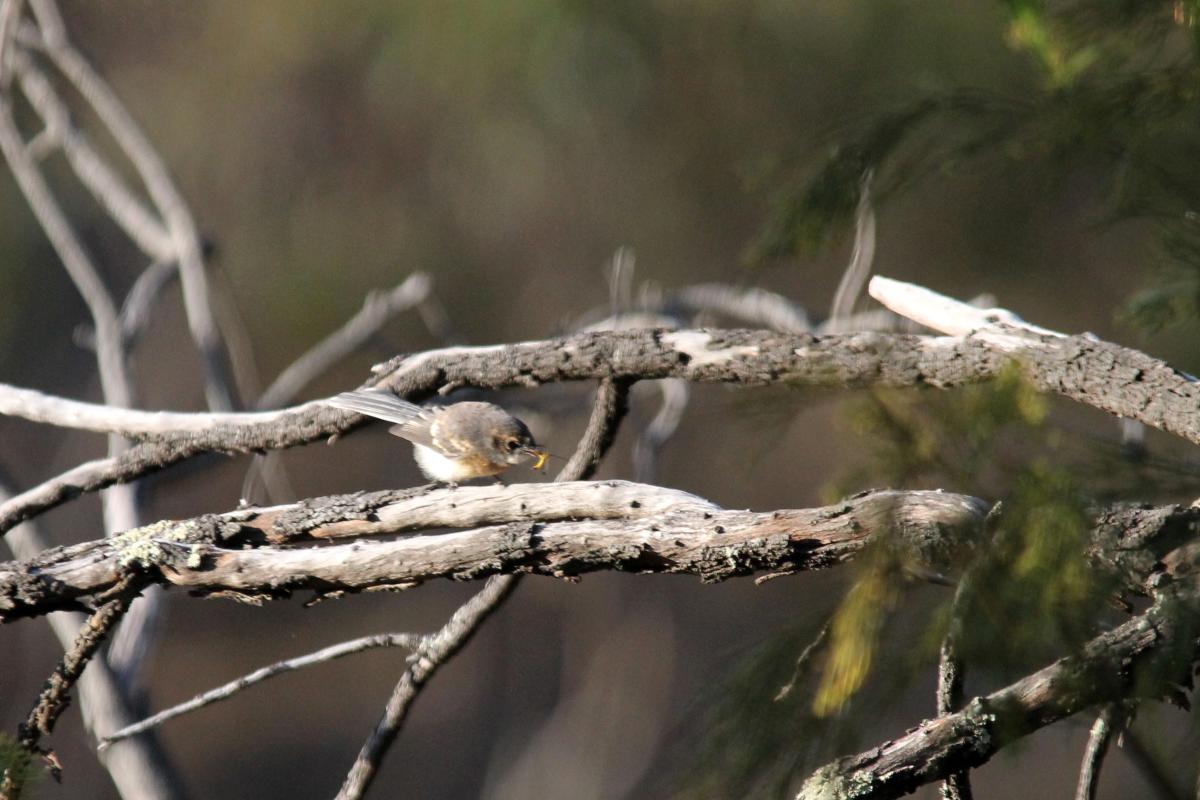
540	455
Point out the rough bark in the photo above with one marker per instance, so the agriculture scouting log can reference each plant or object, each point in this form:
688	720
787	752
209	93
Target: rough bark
1096	373
1140	658
689	537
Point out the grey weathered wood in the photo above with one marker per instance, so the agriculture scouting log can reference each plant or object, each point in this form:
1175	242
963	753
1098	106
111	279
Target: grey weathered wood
1137	658
603	526
1105	376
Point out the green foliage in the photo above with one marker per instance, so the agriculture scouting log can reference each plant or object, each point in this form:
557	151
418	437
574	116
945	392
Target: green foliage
1033	594
1117	95
855	630
1032	591
756	739
935	439
16	765
812	209
808	213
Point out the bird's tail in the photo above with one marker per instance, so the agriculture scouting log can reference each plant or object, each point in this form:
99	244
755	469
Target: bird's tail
376	403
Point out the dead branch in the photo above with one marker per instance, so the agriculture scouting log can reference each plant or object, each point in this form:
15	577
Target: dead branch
324	655
1103	375
1108	722
433	651
1139	658
608	409
50	35
377	310
688	538
56	694
137	766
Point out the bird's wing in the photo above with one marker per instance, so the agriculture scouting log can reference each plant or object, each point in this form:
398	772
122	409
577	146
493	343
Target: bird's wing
414	423
383	405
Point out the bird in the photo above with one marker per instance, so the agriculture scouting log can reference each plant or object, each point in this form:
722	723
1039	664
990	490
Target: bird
451	443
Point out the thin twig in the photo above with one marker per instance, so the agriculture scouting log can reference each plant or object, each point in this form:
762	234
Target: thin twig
950	679
378	309
608	409
138	768
433	651
119	502
1107	723
951	675
76	261
226	691
804	661
219	383
607	412
861	259
10	18
105	184
56	695
138	307
675	396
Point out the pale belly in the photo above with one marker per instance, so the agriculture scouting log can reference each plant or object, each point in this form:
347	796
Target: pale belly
437	467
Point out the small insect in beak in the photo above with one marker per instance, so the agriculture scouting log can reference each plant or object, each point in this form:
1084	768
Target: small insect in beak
540	455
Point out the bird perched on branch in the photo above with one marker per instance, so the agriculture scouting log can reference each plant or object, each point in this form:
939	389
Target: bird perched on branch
453	443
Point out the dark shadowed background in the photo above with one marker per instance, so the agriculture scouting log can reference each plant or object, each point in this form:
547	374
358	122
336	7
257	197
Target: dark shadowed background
509	149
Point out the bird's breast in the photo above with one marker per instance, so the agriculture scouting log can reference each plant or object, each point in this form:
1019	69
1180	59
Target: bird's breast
438	467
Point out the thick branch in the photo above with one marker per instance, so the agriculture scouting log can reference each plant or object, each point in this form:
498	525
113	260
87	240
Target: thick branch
1102	375
608	409
687	538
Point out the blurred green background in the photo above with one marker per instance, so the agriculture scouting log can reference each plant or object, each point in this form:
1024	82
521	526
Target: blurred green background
509	149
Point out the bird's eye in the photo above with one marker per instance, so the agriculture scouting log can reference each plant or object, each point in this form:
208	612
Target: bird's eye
512	445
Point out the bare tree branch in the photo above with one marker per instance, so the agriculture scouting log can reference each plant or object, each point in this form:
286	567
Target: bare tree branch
77	263
1136	541
689	538
608	409
433	651
10	19
137	767
1106	724
326	654
56	695
376	311
173	208
1138	658
122	205
957	786
38	407
1106	376
607	412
